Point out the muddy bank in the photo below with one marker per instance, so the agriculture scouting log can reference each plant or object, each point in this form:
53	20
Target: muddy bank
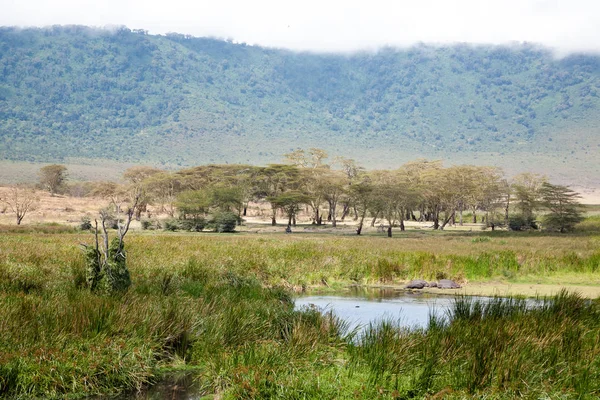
507	289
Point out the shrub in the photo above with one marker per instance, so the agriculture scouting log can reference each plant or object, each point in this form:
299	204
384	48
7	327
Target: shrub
521	223
150	224
196	224
86	224
224	221
172	225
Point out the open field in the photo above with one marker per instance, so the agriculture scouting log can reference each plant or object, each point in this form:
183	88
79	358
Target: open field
12	172
308	259
219	309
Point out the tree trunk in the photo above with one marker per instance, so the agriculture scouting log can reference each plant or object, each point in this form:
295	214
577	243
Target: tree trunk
345	211
389	231
447	220
436	219
355	213
294	220
402	224
359	229
460	217
362	220
506	210
245	211
374	219
333	221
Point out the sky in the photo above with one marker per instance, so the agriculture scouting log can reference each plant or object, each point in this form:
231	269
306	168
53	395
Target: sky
334	25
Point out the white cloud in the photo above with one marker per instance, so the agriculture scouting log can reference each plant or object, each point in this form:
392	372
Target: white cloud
334	25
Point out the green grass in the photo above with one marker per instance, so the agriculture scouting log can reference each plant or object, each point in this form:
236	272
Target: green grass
500	349
220	307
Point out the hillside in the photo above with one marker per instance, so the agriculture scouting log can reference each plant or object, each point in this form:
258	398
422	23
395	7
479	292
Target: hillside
79	95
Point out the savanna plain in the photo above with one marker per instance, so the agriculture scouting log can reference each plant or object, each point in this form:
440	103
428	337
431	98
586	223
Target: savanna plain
219	309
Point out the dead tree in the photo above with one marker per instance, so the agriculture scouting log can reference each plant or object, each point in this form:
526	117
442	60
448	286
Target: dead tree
20	201
106	260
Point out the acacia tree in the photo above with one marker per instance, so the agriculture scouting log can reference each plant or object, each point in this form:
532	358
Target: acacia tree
162	189
334	190
290	203
193	204
526	194
563	205
53	177
313	176
422	176
393	197
274	180
313	158
361	194
352	171
135	176
20	201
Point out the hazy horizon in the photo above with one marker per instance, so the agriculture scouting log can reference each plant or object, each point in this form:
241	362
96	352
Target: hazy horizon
335	26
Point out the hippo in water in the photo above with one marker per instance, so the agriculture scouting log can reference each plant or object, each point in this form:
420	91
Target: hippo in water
417	284
447	284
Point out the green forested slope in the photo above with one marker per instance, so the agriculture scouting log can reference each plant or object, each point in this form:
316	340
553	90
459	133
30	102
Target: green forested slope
77	93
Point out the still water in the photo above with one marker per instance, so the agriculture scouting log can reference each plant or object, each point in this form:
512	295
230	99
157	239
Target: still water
361	307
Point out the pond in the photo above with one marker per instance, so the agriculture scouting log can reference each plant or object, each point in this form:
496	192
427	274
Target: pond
358	307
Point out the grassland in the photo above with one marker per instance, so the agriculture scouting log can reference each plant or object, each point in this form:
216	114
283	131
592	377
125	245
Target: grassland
220	308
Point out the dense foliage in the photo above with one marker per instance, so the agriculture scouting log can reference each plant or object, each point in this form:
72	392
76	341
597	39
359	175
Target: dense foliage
124	94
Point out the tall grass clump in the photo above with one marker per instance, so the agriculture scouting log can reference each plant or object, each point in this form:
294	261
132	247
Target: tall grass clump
60	339
501	348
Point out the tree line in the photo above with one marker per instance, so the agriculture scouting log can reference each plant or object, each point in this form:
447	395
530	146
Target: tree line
336	190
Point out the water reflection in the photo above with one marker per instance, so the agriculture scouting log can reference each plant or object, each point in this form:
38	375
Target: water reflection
180	386
360	306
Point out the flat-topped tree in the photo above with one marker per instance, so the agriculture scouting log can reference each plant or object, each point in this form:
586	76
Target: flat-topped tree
361	195
272	181
526	199
563	206
290	203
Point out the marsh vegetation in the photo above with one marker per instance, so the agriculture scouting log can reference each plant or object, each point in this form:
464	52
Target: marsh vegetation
221	308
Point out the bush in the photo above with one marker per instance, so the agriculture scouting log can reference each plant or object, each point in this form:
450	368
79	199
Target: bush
172	225
196	224
224	221
150	224
521	223
86	224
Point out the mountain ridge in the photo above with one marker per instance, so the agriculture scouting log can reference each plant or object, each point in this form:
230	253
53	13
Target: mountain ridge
175	100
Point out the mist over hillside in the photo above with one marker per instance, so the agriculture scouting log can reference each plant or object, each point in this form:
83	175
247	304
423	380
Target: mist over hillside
76	94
